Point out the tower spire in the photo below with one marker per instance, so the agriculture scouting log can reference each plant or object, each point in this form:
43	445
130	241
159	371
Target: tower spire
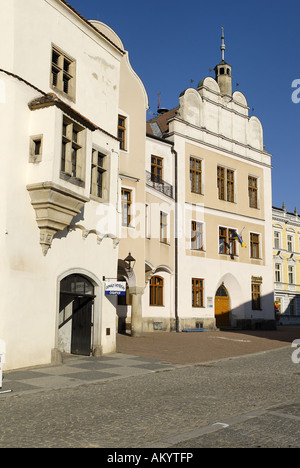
223	71
223	47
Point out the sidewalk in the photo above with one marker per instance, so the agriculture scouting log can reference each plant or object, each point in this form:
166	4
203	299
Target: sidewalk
152	352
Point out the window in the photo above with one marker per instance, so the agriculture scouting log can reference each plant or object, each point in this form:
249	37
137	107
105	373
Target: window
98	173
196	236
277	272
252	191
221	183
254	245
279	301
122	132
225	183
156	291
255	296
291	274
36	149
230	186
72	157
156	169
196	175
126	206
163	227
227	245
290	243
197	292
63	73
277	240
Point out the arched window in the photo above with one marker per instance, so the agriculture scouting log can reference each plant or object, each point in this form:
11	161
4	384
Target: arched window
77	285
222	292
156	291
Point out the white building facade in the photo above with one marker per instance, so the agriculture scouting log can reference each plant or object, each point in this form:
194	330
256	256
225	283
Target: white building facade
59	100
286	257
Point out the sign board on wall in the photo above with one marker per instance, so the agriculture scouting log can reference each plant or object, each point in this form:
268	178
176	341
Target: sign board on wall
116	288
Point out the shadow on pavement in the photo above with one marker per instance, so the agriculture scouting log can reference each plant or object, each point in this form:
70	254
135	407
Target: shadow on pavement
194	347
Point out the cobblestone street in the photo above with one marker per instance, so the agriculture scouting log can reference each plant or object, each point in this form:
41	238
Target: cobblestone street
248	401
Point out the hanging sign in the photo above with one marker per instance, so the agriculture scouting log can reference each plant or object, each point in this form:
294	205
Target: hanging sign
116	288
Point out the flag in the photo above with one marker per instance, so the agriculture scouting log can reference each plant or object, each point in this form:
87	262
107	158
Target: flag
236	236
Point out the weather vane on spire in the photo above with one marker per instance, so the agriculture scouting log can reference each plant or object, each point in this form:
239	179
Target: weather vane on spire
223	47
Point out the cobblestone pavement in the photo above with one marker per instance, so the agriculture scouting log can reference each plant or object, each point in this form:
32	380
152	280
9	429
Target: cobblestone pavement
248	401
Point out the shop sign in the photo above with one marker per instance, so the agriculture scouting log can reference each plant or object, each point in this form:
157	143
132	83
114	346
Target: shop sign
116	288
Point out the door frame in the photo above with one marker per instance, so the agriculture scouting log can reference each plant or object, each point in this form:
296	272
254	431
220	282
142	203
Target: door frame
78	319
228	321
96	341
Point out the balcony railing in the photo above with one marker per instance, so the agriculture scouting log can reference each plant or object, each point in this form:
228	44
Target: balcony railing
159	184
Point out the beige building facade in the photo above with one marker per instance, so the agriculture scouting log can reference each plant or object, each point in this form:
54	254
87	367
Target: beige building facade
286	257
223	179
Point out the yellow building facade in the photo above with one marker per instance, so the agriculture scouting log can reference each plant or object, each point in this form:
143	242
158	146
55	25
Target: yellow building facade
286	258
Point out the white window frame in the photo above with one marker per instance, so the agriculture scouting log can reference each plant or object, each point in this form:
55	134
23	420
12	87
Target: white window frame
278	271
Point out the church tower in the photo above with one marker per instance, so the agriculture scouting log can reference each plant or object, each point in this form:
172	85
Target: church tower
223	72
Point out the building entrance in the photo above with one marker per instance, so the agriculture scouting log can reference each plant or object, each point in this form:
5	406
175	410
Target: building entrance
222	307
76	312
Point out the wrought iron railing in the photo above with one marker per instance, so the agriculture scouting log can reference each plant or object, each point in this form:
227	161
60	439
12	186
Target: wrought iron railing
159	184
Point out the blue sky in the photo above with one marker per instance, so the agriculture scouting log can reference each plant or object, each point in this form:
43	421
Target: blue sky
172	43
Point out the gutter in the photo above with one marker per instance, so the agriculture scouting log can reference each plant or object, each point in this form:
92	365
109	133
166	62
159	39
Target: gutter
176	243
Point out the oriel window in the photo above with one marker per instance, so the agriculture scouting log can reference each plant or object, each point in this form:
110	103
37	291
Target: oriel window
72	155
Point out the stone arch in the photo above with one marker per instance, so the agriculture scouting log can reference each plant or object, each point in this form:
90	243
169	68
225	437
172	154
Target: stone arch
87	301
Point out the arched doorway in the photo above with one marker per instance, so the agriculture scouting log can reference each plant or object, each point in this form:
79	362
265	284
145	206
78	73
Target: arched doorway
76	313
222	307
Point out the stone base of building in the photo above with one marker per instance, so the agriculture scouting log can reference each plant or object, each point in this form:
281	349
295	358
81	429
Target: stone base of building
156	324
256	324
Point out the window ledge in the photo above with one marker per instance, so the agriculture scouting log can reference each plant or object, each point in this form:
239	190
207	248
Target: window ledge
71	179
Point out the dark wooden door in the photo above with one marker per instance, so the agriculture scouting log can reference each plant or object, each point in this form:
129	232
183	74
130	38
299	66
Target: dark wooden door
82	326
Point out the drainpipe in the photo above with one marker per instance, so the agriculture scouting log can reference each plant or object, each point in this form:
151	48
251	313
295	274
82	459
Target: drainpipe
176	243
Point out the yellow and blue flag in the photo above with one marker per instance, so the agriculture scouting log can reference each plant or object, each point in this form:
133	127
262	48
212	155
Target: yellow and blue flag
236	236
